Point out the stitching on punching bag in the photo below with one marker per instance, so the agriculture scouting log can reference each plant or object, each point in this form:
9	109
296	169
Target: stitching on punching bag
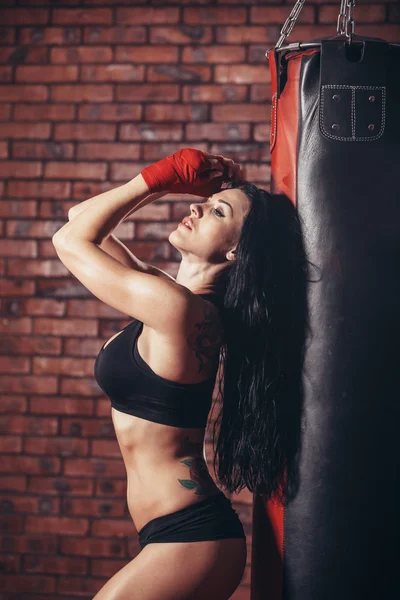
353	89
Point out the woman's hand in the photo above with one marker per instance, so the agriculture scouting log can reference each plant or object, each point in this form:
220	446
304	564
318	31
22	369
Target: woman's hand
191	171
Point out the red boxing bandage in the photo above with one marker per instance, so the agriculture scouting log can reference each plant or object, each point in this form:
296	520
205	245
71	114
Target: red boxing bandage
187	171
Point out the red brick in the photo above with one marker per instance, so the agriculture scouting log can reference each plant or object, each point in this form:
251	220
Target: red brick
182	35
61	485
44	112
118	34
27	424
5	74
10	563
394	12
241	112
110	112
143	15
92	507
28	16
50	35
12	404
27	583
30	543
14	364
24	93
4	150
30	465
24	131
215	93
11	524
248	34
93	547
375	14
42	150
177	112
13	169
56	446
154	131
94	16
89	467
213	54
111	488
60	565
13	483
118	528
146	54
165	92
111	151
82	93
61	406
17	288
261	93
112	72
5	112
29	504
59	525
10	444
241	74
34	268
211	15
214	131
182	73
73	170
84	131
46	73
7	34
87	427
32	228
279	14
42	189
81	54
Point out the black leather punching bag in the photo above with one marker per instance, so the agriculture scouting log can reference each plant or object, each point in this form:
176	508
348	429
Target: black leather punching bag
335	151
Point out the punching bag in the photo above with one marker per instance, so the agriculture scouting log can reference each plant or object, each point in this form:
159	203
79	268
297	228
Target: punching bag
335	152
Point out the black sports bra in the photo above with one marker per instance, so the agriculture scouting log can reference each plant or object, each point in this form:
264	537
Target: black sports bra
134	388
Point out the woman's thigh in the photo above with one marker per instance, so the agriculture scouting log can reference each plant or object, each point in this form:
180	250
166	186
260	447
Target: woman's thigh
210	570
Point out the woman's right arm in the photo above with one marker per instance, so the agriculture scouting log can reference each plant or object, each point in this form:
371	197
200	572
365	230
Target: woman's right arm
114	247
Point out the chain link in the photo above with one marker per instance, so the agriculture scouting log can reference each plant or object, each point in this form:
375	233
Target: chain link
345	23
290	22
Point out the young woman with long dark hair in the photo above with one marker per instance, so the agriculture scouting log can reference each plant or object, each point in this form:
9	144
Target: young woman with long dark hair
231	308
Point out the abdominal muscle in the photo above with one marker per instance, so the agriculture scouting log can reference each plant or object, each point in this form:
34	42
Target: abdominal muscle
158	482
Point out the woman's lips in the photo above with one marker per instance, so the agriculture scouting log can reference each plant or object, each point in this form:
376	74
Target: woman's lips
185	226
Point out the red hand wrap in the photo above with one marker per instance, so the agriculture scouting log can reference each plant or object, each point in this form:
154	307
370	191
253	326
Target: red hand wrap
187	171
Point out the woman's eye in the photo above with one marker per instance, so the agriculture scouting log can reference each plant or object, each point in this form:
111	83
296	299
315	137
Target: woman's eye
218	212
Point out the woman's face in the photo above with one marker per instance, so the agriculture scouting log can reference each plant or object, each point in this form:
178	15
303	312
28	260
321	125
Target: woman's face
216	224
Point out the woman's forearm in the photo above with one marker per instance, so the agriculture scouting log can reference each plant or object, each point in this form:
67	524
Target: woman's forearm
101	216
78	208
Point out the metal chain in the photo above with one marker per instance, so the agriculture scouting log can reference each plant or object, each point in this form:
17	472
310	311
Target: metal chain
290	22
345	23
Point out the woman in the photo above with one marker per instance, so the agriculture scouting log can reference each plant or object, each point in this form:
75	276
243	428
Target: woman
160	372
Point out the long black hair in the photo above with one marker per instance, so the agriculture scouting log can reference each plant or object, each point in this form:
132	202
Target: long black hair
265	322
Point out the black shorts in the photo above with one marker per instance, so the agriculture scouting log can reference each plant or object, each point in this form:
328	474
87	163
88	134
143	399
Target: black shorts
213	518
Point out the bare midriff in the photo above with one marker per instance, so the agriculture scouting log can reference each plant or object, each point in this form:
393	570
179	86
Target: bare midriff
165	467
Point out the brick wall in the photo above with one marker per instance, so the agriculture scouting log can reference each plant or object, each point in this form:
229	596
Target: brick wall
91	92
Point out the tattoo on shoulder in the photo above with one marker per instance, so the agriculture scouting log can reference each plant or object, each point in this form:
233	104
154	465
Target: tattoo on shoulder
207	337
